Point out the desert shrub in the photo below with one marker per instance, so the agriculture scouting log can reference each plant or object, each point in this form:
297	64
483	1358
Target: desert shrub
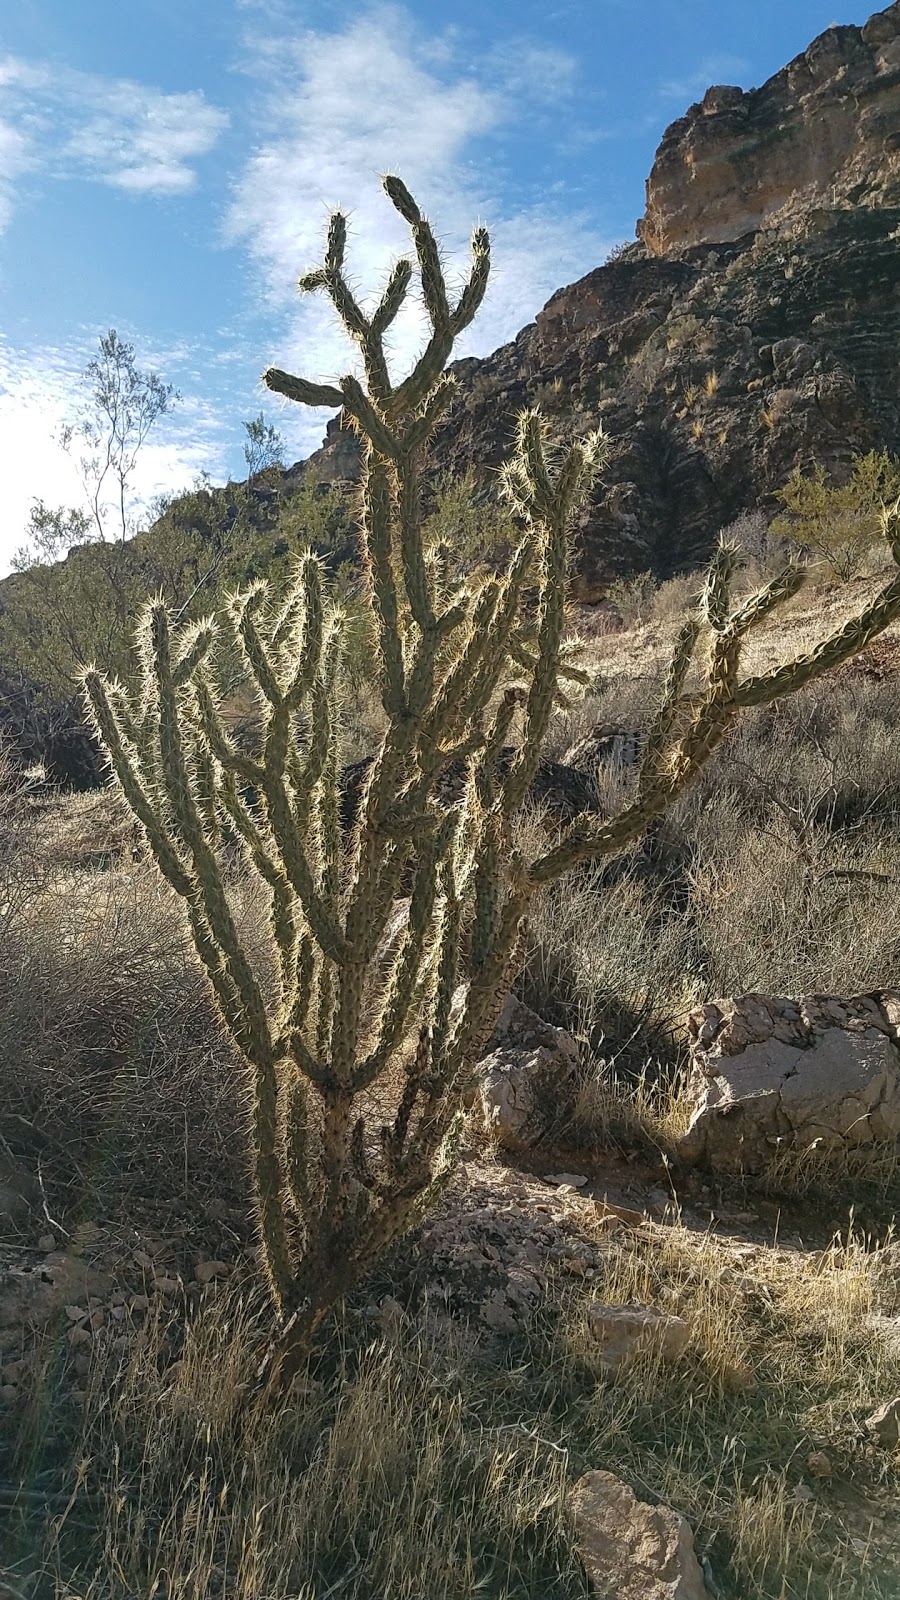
618	250
115	1065
21	866
466	528
588	965
792	839
762	548
633	598
839	523
773	872
676	597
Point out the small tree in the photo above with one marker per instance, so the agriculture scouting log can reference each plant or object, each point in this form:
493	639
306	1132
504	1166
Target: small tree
73	604
263	446
125	403
839	523
359	1063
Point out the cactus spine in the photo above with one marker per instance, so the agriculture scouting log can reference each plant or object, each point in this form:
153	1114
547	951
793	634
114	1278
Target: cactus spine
335	1179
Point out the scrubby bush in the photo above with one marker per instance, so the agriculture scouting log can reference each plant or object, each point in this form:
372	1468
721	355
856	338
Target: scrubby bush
839	523
633	598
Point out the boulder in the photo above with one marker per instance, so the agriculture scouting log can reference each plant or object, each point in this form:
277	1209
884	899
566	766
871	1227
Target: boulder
32	1297
527	1066
631	1550
885	1423
621	1330
771	1075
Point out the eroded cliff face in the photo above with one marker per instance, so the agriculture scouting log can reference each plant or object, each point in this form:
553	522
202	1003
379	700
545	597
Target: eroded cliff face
767	337
823	130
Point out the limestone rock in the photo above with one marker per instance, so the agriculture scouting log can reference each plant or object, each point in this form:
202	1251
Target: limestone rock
526	1061
622	1330
771	1074
631	1550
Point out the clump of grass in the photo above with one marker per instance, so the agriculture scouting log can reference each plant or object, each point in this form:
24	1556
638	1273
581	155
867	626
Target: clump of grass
374	1477
113	1066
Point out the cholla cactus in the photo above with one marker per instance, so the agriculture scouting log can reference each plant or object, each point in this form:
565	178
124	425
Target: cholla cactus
359	1068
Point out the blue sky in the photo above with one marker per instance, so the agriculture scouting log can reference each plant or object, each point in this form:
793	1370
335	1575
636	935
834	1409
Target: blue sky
167	168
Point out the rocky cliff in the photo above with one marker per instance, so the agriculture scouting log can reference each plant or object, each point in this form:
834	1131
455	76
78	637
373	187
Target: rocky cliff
754	326
826	129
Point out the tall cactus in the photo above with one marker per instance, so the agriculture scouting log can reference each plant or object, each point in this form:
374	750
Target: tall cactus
334	1038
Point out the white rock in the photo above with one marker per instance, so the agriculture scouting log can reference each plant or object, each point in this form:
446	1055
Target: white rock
772	1074
620	1330
885	1422
631	1550
526	1060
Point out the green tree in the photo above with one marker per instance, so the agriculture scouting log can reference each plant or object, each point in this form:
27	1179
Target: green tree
263	446
78	578
839	523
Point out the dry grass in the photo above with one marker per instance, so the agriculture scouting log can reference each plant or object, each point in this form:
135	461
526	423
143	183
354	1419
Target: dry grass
113	1066
435	1461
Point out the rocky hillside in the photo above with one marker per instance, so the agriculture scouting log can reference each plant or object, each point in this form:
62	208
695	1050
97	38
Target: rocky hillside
753	326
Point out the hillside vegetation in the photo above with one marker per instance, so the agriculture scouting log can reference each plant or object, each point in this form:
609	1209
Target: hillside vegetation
277	1314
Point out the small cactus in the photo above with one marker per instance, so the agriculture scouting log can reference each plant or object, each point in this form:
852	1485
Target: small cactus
333	1039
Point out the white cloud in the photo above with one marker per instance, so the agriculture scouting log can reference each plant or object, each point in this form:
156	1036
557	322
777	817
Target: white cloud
538	71
341	108
114	130
40	390
141	139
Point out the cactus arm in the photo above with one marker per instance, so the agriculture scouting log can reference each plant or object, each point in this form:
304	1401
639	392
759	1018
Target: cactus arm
853	637
473	293
549	501
307	394
399	990
392	298
377	548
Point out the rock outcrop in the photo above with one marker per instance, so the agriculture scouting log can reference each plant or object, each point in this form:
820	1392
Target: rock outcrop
772	1076
823	131
623	1331
755	330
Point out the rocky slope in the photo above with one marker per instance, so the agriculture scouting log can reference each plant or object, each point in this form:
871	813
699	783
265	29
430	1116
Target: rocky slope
754	326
